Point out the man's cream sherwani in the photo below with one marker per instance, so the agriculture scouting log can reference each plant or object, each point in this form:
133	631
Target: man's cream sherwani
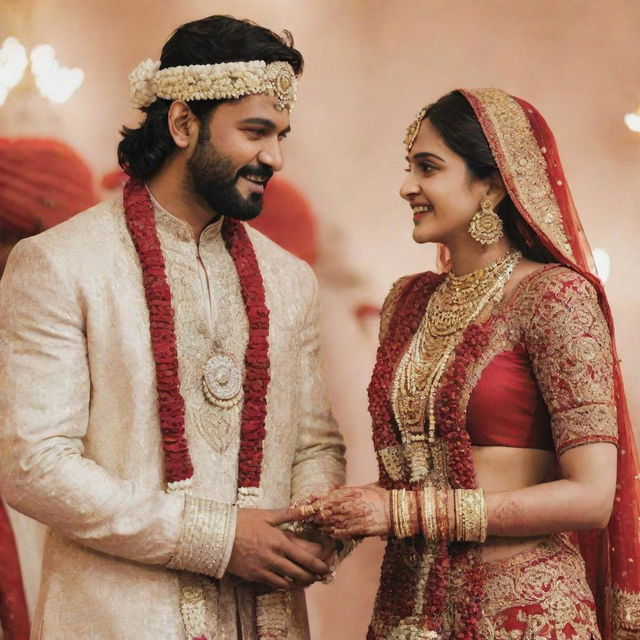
79	436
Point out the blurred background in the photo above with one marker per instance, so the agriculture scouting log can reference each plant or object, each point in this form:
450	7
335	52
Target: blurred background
370	66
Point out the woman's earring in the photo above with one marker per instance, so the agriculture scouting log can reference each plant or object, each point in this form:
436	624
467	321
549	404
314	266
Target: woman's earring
486	226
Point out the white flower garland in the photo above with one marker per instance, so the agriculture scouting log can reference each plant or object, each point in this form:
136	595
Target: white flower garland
223	81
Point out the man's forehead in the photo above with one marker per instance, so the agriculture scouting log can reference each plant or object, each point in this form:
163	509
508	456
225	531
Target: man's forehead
259	107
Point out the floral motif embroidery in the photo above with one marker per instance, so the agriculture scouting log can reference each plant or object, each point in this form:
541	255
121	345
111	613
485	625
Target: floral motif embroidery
540	593
625	608
568	340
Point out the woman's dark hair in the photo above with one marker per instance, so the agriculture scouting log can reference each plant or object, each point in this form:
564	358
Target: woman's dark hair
457	124
143	150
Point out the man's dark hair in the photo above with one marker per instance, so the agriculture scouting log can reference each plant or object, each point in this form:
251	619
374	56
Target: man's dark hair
143	150
457	124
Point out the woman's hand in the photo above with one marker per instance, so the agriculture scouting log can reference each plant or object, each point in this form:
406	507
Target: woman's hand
352	512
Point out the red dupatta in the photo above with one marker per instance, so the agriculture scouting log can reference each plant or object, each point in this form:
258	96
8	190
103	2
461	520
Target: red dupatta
527	156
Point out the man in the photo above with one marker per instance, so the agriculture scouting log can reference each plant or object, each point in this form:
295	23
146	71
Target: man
161	396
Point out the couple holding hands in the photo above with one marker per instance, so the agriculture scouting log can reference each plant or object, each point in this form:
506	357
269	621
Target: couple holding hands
162	401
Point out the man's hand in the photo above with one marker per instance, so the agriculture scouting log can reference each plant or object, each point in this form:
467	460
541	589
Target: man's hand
321	546
265	554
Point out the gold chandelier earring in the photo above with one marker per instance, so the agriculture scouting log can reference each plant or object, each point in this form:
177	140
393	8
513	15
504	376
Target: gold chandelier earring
486	226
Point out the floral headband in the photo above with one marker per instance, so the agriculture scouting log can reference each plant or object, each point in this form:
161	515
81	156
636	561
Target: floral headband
223	81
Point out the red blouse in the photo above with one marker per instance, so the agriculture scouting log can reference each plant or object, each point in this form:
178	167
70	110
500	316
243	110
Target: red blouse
506	408
546	379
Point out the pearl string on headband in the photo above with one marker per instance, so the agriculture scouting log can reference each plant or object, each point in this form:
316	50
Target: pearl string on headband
223	81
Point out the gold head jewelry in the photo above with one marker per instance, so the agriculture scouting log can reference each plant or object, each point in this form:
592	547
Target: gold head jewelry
486	226
223	81
413	128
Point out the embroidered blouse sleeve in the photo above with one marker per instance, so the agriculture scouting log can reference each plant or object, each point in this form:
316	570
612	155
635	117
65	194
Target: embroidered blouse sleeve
45	391
389	305
568	340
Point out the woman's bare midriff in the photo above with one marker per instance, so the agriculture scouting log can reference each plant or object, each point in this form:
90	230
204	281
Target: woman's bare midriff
508	469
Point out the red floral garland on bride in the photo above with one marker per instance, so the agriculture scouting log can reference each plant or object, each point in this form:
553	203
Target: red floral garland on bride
399	581
177	461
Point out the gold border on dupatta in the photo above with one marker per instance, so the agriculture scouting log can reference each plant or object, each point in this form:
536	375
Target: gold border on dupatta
521	162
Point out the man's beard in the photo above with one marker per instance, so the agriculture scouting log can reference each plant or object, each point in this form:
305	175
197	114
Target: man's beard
211	177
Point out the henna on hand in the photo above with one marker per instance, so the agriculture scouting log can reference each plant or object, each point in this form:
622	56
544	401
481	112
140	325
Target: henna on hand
353	512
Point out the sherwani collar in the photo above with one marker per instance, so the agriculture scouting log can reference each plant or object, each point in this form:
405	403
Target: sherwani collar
182	230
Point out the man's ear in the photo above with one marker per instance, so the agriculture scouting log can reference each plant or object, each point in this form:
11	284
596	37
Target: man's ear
183	125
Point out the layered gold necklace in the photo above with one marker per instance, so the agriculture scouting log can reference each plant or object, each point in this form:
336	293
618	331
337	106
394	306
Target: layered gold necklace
454	305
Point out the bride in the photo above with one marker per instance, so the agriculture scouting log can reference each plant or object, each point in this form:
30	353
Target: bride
498	411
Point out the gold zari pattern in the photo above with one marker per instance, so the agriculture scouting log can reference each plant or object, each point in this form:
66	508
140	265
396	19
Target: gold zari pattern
540	593
522	163
625	609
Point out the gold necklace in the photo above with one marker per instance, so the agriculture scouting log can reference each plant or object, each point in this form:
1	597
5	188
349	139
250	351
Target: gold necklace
453	306
455	302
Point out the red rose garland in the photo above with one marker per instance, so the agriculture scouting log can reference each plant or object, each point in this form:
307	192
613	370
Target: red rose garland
141	223
398	580
142	227
257	372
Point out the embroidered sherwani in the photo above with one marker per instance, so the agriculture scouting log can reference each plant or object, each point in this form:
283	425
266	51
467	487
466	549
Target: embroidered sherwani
80	440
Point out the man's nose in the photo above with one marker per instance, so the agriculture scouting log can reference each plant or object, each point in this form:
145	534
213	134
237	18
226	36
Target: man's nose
271	156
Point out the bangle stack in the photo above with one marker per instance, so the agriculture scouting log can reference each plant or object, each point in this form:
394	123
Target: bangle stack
427	512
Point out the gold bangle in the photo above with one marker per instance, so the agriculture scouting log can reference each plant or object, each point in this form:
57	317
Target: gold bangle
394	512
484	517
460	521
430	526
397	525
470	515
442	515
405	525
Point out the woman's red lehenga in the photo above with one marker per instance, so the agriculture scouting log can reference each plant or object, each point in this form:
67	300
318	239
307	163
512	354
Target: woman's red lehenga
412	602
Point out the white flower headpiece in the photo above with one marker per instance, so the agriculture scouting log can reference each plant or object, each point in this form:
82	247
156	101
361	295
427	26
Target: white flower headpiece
221	81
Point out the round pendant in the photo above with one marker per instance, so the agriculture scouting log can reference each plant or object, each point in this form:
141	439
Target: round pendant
222	380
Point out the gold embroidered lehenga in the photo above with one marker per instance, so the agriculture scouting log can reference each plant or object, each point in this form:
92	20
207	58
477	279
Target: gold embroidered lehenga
558	324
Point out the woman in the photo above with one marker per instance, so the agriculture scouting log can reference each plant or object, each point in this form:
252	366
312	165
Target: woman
499	417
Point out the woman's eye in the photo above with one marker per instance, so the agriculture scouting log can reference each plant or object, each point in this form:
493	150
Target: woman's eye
254	133
426	168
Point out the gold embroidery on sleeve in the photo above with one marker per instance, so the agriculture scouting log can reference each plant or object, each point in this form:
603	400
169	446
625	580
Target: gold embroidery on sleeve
570	347
389	306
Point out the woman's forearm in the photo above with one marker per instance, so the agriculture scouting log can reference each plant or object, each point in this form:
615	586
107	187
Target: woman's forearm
561	505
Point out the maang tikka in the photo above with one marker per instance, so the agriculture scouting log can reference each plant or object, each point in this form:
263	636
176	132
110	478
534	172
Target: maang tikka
486	226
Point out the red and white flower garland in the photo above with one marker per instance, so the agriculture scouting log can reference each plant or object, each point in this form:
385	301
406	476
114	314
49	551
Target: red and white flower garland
140	218
397	594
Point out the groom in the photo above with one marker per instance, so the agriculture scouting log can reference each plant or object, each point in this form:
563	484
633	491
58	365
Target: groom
161	399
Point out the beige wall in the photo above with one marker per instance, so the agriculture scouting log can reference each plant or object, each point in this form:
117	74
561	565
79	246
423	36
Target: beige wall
370	65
